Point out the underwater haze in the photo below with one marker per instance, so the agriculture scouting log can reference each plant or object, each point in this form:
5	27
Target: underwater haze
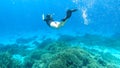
89	39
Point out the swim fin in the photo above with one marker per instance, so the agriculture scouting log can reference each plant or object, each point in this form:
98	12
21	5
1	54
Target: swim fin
69	13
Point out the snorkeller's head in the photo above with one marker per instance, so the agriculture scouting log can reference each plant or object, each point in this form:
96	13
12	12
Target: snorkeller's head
48	18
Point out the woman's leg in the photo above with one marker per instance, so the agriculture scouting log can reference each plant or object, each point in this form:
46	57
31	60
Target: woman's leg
68	14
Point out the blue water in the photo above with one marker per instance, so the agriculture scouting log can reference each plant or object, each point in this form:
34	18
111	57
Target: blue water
23	18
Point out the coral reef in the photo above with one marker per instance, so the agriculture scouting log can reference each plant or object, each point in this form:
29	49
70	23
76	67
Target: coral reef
15	49
60	53
6	61
69	58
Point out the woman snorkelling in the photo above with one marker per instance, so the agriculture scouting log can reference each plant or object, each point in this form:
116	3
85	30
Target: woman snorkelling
56	24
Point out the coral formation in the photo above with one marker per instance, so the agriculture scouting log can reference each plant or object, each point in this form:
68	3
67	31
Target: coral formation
60	53
6	61
66	57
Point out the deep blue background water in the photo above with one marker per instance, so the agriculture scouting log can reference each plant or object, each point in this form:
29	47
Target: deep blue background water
24	16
